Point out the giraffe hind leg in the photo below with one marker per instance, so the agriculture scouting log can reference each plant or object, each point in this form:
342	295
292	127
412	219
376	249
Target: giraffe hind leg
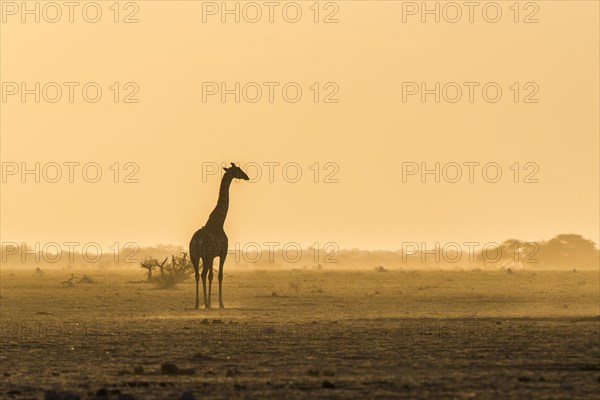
206	265
196	263
210	270
195	258
221	263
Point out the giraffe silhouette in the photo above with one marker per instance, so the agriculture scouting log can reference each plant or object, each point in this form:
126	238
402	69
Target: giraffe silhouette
210	241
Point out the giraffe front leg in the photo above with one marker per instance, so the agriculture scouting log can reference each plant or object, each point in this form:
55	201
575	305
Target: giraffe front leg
210	278
221	264
197	298
204	271
207	269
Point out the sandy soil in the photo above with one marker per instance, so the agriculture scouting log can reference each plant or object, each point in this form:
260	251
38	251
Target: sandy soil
306	334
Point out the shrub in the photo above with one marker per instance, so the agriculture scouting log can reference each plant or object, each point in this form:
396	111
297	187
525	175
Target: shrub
178	270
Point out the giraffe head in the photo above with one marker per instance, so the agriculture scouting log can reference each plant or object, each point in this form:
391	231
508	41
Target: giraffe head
236	172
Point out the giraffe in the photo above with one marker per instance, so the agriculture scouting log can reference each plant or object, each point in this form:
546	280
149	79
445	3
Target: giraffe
210	241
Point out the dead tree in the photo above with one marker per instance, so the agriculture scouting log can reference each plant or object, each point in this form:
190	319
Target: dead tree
175	272
161	266
149	265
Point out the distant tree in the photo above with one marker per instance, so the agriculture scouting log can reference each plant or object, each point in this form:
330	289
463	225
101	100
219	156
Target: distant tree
508	252
567	251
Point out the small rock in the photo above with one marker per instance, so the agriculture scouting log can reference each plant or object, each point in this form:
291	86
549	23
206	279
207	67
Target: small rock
54	395
269	330
328	385
102	394
169	369
187	395
200	356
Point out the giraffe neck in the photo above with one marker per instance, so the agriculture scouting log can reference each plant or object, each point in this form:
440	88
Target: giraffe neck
217	217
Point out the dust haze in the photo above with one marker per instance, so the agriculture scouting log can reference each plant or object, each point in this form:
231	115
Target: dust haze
371	324
338	199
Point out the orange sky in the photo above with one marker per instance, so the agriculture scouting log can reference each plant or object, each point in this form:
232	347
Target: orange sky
368	134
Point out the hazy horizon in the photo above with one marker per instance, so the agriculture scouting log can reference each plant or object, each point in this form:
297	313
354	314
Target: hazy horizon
266	244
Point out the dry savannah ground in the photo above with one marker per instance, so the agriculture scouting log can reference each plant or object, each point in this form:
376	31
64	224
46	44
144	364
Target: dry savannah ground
301	334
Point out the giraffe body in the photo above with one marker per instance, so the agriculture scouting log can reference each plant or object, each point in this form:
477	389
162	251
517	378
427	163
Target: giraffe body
210	241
